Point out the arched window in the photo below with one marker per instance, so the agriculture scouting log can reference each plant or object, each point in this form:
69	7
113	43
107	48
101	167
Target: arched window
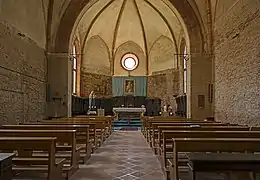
74	70
185	70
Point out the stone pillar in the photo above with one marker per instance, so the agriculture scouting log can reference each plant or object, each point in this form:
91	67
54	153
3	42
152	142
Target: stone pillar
59	85
199	73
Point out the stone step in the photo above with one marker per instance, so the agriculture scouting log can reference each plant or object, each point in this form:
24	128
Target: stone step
125	125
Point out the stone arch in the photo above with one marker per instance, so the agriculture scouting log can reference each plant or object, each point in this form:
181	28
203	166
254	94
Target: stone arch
129	47
162	50
195	36
194	28
96	58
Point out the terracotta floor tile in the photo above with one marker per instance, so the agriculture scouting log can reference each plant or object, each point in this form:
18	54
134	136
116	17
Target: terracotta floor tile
124	156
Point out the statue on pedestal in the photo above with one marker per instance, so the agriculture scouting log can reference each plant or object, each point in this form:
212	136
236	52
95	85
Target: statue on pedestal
91	104
91	100
164	113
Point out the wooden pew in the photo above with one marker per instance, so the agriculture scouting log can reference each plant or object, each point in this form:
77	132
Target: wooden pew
211	145
167	136
242	165
51	164
102	126
164	129
63	137
108	119
98	133
6	166
150	122
94	119
82	135
92	127
150	129
146	120
153	133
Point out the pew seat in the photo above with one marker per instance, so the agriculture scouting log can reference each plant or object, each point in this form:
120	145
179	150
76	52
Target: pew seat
222	162
6	166
230	145
26	162
82	135
66	144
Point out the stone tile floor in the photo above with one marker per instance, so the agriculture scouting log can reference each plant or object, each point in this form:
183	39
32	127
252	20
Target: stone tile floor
124	156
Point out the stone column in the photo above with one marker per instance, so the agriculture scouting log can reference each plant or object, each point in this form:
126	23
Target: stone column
59	85
199	73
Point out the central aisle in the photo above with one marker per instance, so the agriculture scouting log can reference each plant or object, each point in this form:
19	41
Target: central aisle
126	156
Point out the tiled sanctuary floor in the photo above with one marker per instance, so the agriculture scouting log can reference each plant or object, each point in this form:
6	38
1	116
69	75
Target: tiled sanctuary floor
124	156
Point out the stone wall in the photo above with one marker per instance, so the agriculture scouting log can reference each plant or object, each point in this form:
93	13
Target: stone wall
237	62
100	84
164	85
95	58
162	55
22	77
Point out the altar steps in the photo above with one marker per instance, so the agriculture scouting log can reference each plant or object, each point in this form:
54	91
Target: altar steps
127	124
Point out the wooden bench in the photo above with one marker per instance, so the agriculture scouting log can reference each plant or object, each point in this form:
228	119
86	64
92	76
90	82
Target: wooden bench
50	164
106	123
151	122
153	135
98	133
162	138
239	145
223	162
6	166
102	129
66	143
82	135
92	130
214	133
146	124
145	119
108	119
166	133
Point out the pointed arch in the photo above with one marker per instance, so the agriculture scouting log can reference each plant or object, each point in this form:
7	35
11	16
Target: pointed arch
162	55
130	47
96	58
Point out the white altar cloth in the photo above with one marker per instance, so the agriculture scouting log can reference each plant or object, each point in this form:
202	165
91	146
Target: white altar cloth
117	111
129	110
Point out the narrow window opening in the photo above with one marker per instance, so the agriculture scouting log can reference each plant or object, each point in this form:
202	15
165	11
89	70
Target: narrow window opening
185	71
74	70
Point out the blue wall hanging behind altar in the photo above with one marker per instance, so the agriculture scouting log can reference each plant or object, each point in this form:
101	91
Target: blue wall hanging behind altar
129	85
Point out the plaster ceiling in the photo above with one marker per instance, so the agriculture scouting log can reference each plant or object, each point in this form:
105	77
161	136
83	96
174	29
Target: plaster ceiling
120	21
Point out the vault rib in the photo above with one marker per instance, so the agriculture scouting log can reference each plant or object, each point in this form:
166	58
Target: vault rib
144	36
93	22
166	22
116	32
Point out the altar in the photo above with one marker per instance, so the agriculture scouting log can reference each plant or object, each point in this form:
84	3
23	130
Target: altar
128	113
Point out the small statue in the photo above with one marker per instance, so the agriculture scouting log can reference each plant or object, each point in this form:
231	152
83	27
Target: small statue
164	108
170	110
91	100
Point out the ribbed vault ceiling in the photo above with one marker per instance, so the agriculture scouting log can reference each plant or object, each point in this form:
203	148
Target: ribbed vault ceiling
139	21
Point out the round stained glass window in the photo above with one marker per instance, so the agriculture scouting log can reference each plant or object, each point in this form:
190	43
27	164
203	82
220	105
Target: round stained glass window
129	62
